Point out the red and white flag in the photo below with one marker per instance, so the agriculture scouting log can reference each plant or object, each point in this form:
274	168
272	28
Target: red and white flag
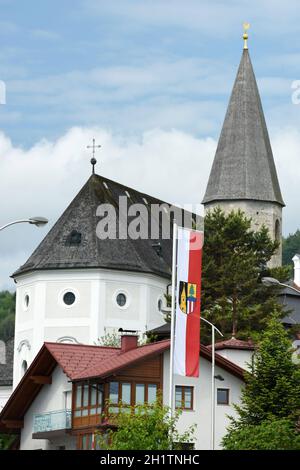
188	302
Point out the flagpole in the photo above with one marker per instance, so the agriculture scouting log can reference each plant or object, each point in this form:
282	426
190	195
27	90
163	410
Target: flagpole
171	391
213	393
213	360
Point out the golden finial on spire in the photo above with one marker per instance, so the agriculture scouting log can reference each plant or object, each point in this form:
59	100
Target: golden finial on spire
246	26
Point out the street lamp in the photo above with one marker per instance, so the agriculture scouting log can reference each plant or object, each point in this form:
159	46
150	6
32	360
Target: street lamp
271	281
213	377
219	377
37	221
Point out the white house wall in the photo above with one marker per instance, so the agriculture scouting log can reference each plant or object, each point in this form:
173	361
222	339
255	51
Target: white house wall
94	313
50	398
5	392
201	414
240	357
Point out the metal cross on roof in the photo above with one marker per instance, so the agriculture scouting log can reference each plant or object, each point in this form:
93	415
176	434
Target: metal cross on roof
93	159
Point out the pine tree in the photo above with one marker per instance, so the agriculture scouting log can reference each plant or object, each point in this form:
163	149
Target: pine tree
273	387
234	260
271	394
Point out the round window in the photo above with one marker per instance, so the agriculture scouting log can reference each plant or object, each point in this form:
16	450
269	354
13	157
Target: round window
24	367
26	301
277	230
69	298
121	300
159	305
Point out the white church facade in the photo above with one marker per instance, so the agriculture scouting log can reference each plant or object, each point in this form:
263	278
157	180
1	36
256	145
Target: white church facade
77	289
104	302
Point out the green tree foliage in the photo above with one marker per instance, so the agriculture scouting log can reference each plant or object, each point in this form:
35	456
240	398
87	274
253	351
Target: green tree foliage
147	427
234	260
112	340
279	434
6	440
290	246
7	315
271	394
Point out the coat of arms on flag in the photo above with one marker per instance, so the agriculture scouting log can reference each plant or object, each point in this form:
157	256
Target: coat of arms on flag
187	297
188	305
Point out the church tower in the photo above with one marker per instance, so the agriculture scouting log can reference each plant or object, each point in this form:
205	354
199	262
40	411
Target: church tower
243	175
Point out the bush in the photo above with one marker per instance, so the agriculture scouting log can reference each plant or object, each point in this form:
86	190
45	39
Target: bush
280	434
145	427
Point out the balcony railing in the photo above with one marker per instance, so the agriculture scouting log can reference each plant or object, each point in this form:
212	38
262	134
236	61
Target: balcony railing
52	421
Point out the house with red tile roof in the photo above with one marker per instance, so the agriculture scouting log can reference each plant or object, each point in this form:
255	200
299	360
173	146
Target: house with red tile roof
236	350
69	392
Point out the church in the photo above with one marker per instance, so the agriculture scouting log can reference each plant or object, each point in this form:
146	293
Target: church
76	288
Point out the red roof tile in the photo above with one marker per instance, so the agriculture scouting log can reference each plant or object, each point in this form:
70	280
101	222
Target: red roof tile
234	343
76	358
81	361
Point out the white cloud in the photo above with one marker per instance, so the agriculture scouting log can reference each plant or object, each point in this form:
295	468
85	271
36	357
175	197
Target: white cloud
44	179
128	82
286	145
172	165
130	98
8	27
274	86
45	34
219	18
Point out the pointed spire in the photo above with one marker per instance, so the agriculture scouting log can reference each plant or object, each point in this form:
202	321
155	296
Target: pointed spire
244	167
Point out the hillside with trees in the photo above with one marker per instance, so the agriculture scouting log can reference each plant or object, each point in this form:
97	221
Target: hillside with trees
7	315
290	246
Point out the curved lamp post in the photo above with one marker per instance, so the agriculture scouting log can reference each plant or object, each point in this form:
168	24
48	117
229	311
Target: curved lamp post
271	281
37	221
214	329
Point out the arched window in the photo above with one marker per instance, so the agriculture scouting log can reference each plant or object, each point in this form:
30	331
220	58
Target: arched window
24	367
277	231
2	352
26	301
67	339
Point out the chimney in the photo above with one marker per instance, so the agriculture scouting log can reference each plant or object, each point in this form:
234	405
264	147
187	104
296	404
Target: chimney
296	260
128	342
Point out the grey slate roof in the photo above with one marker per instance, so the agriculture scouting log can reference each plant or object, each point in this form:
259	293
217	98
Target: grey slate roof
244	167
162	332
72	241
291	300
6	370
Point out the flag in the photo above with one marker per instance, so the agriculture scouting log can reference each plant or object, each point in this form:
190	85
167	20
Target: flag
188	302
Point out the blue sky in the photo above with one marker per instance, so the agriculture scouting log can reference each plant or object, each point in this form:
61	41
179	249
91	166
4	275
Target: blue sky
150	79
163	63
